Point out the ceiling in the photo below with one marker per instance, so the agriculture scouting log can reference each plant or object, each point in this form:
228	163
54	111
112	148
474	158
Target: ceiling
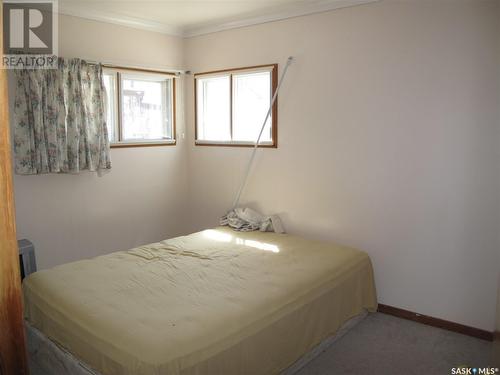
189	18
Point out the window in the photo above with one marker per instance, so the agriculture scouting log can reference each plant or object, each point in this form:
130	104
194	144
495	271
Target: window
231	105
140	107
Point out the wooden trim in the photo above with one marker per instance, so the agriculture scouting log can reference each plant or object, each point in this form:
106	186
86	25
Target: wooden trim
233	145
174	111
274	125
496	336
237	69
230	106
195	111
13	359
274	112
141	70
119	104
436	322
170	142
143	144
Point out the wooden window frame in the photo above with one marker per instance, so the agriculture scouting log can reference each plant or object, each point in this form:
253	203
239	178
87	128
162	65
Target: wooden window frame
117	70
274	112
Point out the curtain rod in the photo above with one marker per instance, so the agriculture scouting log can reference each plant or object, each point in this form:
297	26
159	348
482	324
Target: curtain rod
173	72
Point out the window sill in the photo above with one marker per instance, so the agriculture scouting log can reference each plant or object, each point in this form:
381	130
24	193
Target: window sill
143	144
235	144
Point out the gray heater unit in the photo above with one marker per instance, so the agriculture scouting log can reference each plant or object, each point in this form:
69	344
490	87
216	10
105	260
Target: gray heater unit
27	259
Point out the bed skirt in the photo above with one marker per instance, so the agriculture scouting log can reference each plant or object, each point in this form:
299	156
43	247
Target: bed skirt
48	358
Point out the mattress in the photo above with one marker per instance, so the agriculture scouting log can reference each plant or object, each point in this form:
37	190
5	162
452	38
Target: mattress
213	302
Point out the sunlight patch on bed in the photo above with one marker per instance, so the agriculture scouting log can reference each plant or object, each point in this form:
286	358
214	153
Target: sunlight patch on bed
225	237
258	245
217	236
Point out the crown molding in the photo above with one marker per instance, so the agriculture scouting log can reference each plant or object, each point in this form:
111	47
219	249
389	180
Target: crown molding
75	10
133	22
306	9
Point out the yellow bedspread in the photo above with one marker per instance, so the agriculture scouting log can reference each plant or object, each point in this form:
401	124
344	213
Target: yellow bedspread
214	302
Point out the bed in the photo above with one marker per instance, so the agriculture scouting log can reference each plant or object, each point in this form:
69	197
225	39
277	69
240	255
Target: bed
213	302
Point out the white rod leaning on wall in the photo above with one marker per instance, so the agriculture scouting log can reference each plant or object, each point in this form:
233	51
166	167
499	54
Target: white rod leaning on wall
256	145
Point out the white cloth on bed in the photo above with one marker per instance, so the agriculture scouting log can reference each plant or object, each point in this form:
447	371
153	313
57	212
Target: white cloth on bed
246	220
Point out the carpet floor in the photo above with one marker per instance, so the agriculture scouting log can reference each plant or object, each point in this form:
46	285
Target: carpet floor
385	345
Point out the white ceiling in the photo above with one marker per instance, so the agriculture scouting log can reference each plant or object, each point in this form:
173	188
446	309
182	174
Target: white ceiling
189	18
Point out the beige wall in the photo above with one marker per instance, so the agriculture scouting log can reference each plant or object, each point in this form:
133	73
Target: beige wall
498	309
141	200
498	226
388	141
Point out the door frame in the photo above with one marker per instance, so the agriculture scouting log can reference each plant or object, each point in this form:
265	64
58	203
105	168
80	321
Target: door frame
13	358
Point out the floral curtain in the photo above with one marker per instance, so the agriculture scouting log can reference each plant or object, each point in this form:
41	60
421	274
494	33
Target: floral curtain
60	120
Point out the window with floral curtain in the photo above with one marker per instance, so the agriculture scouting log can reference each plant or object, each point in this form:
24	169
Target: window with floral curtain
60	120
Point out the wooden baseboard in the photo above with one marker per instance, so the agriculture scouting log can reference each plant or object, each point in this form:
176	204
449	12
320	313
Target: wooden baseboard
497	336
436	322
